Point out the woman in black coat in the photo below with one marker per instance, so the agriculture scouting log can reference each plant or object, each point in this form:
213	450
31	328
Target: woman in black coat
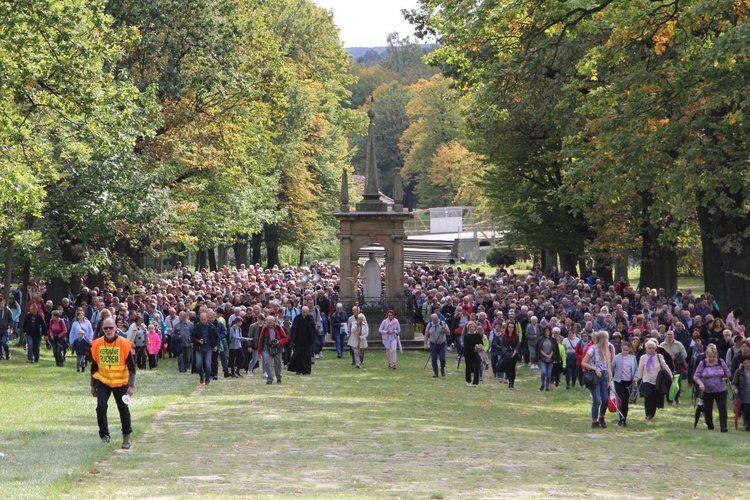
472	339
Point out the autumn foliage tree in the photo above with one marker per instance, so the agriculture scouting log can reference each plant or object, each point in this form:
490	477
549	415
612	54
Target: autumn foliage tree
648	111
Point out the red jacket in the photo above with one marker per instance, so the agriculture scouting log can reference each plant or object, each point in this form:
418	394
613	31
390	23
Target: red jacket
263	337
581	352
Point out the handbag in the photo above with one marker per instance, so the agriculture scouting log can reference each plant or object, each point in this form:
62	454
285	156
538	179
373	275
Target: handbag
613	403
589	379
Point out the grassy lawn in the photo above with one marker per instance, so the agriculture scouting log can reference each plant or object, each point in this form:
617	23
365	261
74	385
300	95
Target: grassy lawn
48	433
346	433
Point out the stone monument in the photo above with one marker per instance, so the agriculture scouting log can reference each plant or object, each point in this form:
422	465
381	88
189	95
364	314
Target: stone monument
373	221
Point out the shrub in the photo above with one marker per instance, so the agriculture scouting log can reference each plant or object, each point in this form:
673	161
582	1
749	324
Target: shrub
501	257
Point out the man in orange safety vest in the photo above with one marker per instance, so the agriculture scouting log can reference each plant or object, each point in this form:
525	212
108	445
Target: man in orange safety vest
112	372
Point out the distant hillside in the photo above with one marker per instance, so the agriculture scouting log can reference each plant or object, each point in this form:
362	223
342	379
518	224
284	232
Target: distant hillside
360	51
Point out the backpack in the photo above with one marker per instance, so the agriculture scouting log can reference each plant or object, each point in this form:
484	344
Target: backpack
425	310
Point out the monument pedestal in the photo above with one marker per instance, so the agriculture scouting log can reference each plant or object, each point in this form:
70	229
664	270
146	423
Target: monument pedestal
374	221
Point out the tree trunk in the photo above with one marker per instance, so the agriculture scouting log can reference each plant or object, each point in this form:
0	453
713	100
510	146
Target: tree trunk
94	281
658	261
25	277
621	268
568	263
549	260
301	256
200	260
160	263
713	269
240	252
212	259
221	258
57	289
719	225
8	268
255	245
604	270
272	245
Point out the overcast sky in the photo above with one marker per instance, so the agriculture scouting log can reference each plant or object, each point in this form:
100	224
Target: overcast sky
366	23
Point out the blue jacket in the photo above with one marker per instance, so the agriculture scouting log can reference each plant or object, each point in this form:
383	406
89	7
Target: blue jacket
337	319
617	367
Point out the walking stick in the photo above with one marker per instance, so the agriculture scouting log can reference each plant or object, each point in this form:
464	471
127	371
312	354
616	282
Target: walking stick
459	362
428	360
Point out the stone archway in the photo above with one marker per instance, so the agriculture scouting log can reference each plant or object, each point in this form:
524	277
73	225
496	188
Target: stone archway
373	221
387	230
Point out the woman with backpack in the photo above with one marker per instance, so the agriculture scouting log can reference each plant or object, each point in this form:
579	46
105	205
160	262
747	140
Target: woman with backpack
58	333
711	378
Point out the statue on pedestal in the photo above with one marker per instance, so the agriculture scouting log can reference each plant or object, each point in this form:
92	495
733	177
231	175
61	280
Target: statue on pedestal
373	285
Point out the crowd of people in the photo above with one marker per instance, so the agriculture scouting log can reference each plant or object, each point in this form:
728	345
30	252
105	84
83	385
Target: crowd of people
616	342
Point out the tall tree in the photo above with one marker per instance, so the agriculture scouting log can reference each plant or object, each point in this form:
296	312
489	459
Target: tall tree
217	68
70	120
435	120
405	58
310	147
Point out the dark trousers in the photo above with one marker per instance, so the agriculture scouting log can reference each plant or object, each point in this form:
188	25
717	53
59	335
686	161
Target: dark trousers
621	388
524	350
58	352
708	407
437	351
183	360
4	344
472	369
571	371
510	372
140	356
236	359
556	372
650	399
745	408
203	357
153	361
103	392
32	348
221	356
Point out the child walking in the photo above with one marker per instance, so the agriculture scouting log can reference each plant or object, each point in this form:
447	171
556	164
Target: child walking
153	347
81	347
235	348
